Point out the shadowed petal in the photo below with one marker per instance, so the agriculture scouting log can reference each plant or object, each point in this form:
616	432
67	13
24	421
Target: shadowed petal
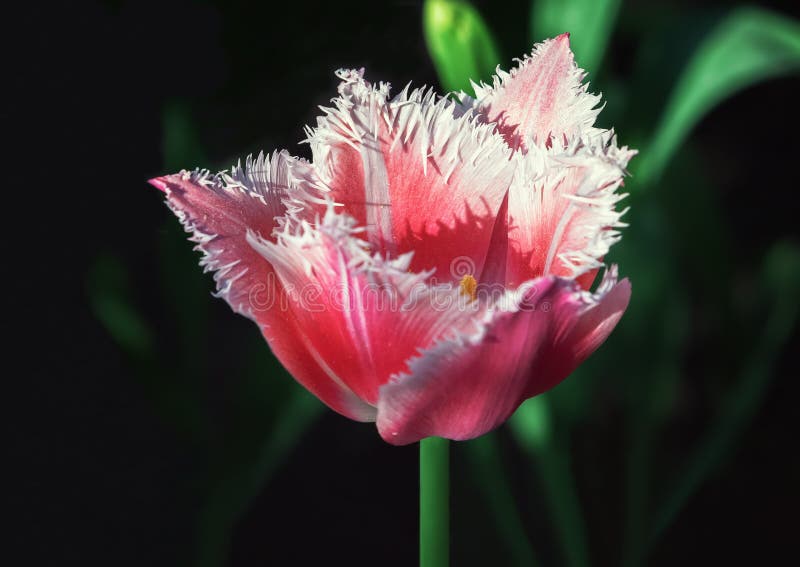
562	209
414	174
541	98
289	341
464	387
362	317
591	328
219	210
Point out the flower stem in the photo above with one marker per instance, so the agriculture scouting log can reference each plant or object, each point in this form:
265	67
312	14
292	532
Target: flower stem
434	502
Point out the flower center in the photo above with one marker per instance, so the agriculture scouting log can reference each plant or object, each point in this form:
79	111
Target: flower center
469	286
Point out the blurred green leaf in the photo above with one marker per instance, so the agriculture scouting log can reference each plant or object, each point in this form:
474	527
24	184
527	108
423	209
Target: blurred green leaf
176	401
487	465
651	339
532	426
748	46
268	412
187	298
459	42
781	272
109	297
187	290
589	22
239	480
180	146
780	282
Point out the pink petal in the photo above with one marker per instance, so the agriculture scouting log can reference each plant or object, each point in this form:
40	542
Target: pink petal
290	344
361	317
219	210
562	210
417	176
590	330
464	387
542	98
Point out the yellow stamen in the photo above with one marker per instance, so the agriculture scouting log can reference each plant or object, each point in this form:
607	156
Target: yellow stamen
469	286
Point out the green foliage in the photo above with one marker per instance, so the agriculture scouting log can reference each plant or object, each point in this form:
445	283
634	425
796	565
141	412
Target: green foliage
486	460
270	412
748	46
532	426
460	44
110	300
589	22
780	283
242	469
647	351
532	423
638	371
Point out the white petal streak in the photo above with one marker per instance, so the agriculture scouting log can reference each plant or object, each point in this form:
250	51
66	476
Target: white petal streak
364	314
541	100
410	164
563	206
219	209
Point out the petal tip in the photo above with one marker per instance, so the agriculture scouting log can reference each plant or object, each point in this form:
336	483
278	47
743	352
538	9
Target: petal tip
392	436
625	284
159	183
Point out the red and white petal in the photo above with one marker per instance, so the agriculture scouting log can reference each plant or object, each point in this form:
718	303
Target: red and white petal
290	344
562	209
415	174
578	338
361	317
219	210
464	387
541	99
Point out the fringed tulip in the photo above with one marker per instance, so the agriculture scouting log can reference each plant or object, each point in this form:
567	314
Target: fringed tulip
430	269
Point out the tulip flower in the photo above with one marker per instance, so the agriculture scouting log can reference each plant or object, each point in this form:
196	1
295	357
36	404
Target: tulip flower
432	266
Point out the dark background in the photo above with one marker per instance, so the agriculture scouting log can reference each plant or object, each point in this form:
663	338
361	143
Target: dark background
102	477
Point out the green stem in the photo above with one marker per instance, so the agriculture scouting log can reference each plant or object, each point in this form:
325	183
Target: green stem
434	502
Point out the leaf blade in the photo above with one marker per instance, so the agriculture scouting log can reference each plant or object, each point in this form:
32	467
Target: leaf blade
459	42
749	46
589	22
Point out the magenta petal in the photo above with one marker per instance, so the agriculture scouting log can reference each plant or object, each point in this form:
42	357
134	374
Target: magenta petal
581	332
463	388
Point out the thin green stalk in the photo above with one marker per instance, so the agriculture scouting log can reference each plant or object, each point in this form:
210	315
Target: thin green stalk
560	491
434	502
758	371
487	463
637	486
532	425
